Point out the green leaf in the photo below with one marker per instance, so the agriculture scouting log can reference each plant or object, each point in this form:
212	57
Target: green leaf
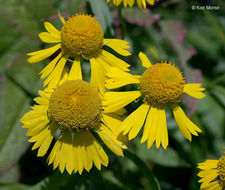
219	92
13	141
102	14
18	15
168	157
212	116
12	186
20	46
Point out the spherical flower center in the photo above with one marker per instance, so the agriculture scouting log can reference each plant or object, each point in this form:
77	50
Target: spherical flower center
82	36
221	167
75	105
162	84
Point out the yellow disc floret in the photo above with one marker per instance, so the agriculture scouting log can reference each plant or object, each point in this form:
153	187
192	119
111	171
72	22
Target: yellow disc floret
82	36
75	105
221	167
162	84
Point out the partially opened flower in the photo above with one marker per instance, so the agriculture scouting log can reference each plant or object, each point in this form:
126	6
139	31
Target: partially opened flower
72	112
140	3
212	174
80	37
160	86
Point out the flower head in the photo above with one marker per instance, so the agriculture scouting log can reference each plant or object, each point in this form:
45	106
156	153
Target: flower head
140	3
212	174
161	85
72	112
81	37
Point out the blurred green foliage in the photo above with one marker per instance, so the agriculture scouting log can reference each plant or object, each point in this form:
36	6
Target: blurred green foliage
194	40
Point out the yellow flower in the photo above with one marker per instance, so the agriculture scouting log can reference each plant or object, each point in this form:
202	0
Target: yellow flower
80	37
72	112
161	85
212	174
140	3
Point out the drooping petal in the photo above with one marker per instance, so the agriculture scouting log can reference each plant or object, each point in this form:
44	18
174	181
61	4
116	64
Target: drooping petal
194	90
133	123
40	55
43	139
130	3
49	68
113	122
120	46
97	75
186	126
114	61
110	139
75	72
144	60
55	76
118	78
155	128
113	101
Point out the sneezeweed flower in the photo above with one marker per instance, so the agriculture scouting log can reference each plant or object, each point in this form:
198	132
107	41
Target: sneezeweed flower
80	37
140	3
72	112
212	174
160	86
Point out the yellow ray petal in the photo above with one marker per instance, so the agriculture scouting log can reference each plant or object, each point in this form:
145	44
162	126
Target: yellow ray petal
212	186
49	37
55	149
95	149
162	134
40	55
153	126
194	90
114	61
118	78
131	3
134	121
61	18
151	2
64	152
36	129
113	101
42	101
97	75
186	126
120	46
208	164
110	140
49	68
43	140
54	78
75	72
139	3
51	29
113	122
144	59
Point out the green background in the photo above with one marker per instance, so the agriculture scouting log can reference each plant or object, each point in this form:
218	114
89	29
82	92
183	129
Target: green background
169	31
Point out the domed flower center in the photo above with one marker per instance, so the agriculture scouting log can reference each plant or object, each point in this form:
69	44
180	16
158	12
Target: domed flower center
162	84
221	167
75	105
82	36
